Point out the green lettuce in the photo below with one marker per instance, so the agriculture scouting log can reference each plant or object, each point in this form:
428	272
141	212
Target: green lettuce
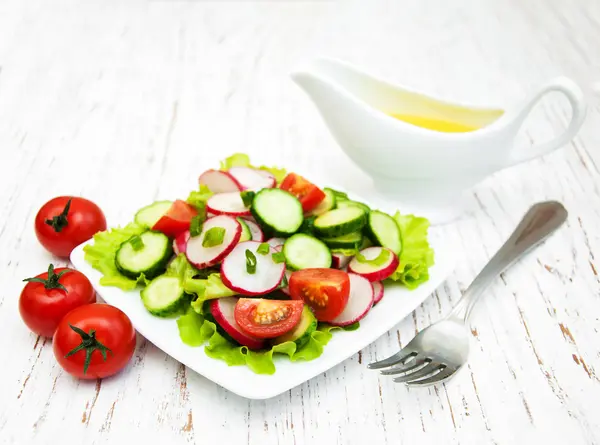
101	256
243	160
417	255
196	330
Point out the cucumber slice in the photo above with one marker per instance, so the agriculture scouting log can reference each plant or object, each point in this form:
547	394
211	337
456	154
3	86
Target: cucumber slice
149	215
304	251
340	222
347	203
351	241
150	258
301	333
246	234
326	205
277	211
164	296
383	231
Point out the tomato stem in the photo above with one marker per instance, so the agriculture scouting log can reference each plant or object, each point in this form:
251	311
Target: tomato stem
59	222
52	281
90	344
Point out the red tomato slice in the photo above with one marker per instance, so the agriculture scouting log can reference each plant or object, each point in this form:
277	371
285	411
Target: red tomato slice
307	193
176	220
326	291
263	318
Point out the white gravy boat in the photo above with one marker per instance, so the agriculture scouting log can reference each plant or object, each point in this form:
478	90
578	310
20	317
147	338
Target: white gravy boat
415	168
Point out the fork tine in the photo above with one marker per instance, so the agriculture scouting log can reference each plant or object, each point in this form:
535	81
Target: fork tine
423	372
400	357
413	365
443	374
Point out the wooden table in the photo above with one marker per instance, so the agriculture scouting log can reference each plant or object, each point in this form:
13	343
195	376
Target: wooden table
127	102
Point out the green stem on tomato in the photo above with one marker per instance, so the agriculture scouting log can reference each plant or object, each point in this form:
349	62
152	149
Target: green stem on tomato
52	281
89	343
59	222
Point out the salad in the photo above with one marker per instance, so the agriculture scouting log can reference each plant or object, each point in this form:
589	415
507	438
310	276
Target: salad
258	261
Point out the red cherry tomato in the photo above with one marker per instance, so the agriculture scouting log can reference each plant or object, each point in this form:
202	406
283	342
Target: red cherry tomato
176	220
307	193
67	221
48	297
263	318
94	341
326	291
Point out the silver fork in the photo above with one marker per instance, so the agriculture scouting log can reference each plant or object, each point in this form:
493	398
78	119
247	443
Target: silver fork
440	350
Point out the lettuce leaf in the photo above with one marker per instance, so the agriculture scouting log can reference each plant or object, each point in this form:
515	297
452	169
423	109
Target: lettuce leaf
417	255
243	160
195	330
101	256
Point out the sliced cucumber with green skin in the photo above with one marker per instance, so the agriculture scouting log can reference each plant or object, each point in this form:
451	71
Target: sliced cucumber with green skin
351	241
150	258
340	222
327	204
246	234
303	330
348	203
383	231
277	211
164	296
304	251
149	215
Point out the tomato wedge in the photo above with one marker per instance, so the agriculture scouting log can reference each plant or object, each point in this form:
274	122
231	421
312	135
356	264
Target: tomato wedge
326	291
263	318
307	193
176	220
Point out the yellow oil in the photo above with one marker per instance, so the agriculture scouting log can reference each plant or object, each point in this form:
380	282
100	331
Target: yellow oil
434	124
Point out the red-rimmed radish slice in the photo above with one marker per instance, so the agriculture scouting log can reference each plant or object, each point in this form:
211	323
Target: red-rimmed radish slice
276	242
227	204
339	261
219	181
180	242
223	310
251	179
203	257
374	270
378	291
255	230
238	276
286	289
359	301
266	174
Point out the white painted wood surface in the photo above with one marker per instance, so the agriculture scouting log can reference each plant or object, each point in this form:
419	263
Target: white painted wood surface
124	102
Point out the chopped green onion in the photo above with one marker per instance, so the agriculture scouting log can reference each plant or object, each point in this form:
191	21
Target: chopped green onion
137	243
380	260
196	225
247	197
213	237
264	248
284	282
250	262
278	257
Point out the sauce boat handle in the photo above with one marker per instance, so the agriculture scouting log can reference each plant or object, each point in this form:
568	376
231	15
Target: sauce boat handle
578	106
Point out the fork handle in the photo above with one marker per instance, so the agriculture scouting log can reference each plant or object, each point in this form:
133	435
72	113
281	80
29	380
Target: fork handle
541	220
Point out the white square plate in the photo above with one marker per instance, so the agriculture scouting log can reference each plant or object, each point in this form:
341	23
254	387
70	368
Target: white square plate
396	304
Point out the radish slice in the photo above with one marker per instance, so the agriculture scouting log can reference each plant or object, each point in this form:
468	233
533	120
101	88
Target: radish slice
180	242
339	261
251	179
267	274
373	272
219	182
255	230
276	242
378	290
359	302
267	174
227	204
222	310
286	290
203	257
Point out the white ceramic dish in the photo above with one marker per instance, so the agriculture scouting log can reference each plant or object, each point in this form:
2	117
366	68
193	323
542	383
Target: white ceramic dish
397	303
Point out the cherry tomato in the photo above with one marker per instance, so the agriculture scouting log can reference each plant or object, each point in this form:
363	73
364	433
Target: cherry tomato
65	222
267	318
326	291
307	193
46	299
94	341
176	220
